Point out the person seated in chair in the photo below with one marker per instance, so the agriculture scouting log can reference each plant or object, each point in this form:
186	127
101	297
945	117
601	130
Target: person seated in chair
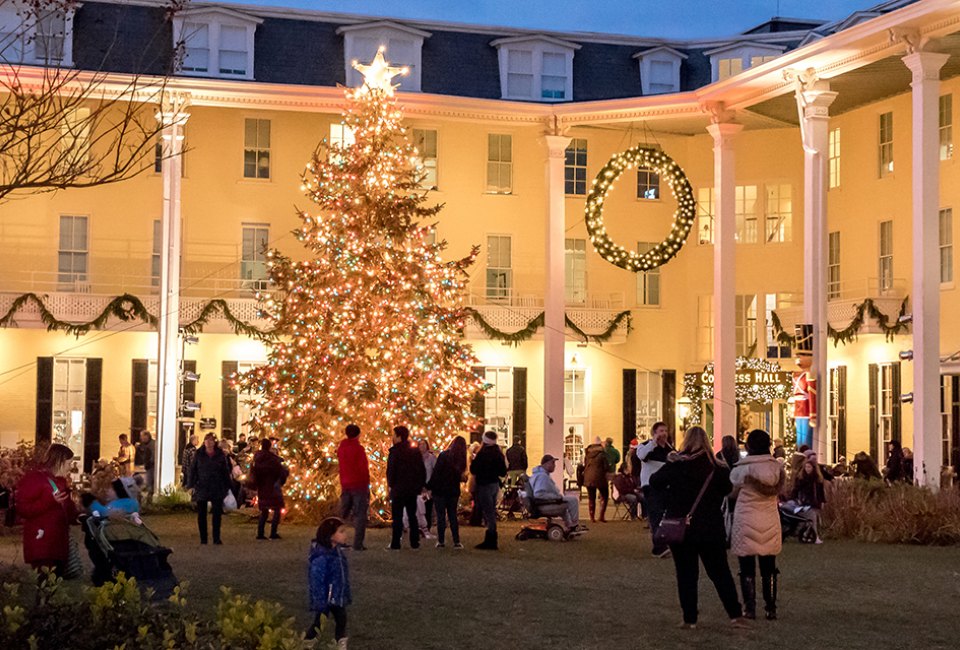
546	491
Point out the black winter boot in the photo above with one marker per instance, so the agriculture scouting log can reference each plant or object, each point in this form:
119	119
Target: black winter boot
770	594
489	542
748	586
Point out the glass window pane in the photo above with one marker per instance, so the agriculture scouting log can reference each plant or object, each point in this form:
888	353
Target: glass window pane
233	38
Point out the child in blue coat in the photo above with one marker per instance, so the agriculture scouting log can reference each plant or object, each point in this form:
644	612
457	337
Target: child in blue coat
329	578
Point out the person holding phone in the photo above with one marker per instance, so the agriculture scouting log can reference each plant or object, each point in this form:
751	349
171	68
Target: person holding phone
44	503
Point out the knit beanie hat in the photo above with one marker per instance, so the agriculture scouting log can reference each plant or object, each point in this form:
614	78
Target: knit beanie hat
490	438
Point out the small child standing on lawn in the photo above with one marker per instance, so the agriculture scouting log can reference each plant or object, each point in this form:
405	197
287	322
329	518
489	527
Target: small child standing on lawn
329	578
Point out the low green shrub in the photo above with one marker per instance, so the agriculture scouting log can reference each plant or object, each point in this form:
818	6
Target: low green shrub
871	511
168	501
43	614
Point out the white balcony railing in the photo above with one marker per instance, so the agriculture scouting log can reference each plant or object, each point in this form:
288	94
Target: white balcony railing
842	306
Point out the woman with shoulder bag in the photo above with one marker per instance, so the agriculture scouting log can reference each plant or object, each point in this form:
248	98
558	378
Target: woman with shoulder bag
695	483
210	480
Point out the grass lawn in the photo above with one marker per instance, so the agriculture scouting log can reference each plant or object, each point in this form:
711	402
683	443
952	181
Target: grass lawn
601	591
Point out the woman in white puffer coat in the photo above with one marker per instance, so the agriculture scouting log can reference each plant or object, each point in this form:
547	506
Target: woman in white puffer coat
757	480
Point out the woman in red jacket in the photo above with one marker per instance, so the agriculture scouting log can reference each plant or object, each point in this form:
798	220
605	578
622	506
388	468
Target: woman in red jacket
44	503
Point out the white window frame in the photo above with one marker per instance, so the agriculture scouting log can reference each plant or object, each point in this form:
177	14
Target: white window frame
576	393
427	142
833	414
258	149
253	262
215	18
156	253
647	189
885	256
722	59
537	46
73	280
17	27
833	265
705	215
747	220
69	399
649	403
495	290
745	325
649	287
358	40
945	223
945	121
247	401
885	401
775	302
885	144
75	137
575	167
663	58
833	158
501	165
778	213
498	402
575	271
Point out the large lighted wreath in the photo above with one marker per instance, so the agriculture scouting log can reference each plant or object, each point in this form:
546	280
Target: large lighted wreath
683	218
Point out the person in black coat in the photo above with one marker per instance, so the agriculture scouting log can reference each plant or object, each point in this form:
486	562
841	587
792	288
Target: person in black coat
444	484
210	481
681	479
488	467
406	476
894	470
268	476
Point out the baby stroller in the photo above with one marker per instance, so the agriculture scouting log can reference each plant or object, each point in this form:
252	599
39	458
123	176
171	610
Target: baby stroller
794	522
118	545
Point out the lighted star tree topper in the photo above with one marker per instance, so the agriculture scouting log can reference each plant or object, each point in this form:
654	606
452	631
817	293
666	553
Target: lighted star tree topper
371	324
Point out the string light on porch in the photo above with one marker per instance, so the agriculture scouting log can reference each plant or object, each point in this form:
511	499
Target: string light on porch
683	218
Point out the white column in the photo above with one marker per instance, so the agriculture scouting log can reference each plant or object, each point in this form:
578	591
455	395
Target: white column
553	304
724	281
925	67
172	117
813	103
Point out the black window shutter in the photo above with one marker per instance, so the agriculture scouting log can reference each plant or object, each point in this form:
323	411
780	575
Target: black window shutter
228	401
477	406
842	410
91	413
139	391
668	398
895	381
44	429
873	370
629	406
520	406
189	388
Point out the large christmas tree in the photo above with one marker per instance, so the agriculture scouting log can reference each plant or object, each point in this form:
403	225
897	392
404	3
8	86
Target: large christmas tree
371	324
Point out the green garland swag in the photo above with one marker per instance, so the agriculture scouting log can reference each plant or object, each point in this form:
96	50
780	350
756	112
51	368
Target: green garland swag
849	333
127	308
515	338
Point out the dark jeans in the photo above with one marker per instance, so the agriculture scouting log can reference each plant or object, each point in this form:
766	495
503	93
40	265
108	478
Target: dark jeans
397	505
216	507
262	522
655	510
604	491
487	501
339	616
354	505
714	558
748	567
447	508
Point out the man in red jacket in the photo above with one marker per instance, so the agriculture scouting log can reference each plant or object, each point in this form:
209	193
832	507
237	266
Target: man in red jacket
354	484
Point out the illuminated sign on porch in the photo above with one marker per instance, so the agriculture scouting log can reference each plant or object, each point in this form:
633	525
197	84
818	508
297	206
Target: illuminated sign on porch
751	377
756	381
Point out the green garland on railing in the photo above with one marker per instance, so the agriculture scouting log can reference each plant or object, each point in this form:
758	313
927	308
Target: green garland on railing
515	338
127	308
849	333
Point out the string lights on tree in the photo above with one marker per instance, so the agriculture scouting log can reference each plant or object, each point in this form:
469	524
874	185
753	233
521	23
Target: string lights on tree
370	323
683	218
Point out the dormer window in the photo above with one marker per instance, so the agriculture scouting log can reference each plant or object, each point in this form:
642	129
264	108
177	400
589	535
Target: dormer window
660	70
536	68
40	36
732	59
403	47
215	42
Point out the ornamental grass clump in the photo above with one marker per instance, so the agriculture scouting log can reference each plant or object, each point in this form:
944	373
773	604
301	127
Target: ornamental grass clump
871	511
